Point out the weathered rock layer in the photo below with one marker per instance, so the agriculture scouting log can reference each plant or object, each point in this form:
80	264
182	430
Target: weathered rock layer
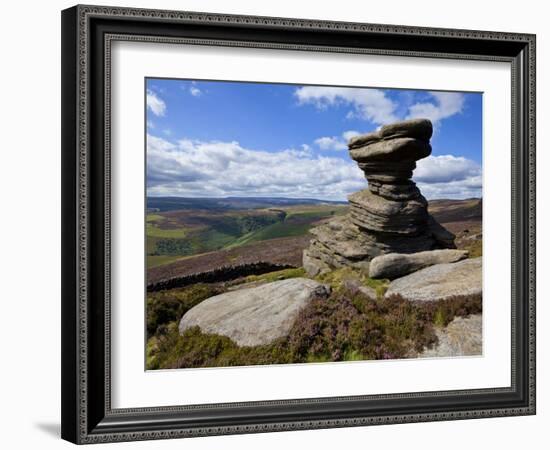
391	216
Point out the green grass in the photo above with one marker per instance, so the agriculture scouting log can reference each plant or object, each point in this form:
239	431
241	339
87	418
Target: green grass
295	224
154	218
277	275
153	230
226	231
337	278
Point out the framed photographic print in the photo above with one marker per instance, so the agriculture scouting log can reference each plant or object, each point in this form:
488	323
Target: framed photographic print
279	224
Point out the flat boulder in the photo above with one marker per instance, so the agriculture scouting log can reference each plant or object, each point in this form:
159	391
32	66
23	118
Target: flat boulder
462	337
394	265
440	282
257	315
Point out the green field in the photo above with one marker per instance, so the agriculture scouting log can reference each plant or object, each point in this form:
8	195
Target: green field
176	234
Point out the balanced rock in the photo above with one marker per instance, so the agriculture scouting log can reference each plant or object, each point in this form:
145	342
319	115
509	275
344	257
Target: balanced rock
440	282
391	216
257	315
394	265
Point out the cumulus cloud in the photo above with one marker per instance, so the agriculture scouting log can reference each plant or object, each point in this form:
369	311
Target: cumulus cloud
370	104
448	176
331	143
191	168
219	169
445	168
446	104
459	189
375	106
335	142
155	104
347	135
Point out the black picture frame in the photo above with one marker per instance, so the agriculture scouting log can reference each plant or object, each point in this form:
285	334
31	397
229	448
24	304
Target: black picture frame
87	416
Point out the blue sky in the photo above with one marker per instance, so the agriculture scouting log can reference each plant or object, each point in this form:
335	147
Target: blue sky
211	138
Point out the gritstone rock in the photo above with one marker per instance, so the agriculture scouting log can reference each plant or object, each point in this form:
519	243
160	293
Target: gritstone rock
257	315
393	265
439	282
391	216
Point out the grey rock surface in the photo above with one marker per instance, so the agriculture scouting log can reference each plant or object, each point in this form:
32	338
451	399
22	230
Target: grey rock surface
376	213
416	128
257	315
391	216
462	337
440	282
394	265
398	149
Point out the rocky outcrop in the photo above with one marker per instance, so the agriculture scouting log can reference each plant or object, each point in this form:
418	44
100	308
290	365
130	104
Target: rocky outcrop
257	315
391	216
440	282
394	265
462	337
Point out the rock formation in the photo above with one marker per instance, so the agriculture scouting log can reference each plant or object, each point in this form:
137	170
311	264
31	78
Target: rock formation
391	216
257	315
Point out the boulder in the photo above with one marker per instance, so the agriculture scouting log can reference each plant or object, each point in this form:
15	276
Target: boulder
314	266
394	265
462	337
255	316
440	282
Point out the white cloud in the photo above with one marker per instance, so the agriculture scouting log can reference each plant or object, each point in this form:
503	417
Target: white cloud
155	103
445	168
446	104
347	135
331	143
467	188
369	104
195	91
448	176
335	142
218	169
374	106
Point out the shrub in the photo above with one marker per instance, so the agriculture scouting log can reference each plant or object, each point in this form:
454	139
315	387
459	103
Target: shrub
348	326
170	305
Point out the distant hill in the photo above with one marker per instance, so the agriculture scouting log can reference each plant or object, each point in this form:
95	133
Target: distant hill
456	210
162	204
